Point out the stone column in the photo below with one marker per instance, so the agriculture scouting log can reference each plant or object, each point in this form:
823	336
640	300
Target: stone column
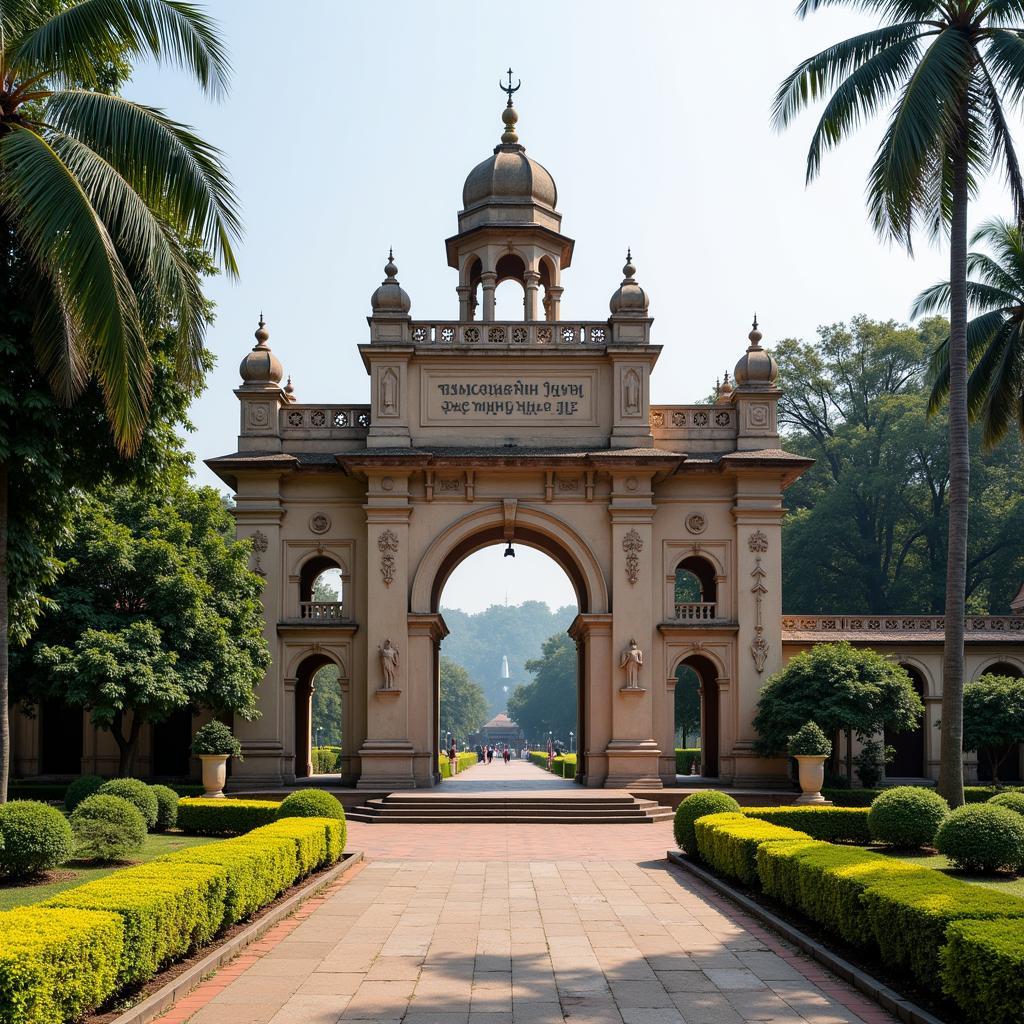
553	302
465	293
425	635
593	633
488	281
633	751
532	288
386	755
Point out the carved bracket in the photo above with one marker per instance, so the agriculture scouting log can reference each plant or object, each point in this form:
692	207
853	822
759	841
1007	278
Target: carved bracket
259	549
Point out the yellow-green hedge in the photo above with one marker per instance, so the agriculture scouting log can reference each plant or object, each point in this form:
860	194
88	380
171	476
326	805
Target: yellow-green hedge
68	955
728	842
983	970
833	824
201	816
56	965
463	760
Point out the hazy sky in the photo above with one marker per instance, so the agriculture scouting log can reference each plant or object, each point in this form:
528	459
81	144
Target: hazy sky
350	127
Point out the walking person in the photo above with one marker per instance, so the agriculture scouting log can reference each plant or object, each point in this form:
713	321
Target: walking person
507	755
453	758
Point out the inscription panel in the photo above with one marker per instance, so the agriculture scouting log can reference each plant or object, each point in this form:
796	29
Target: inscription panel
530	398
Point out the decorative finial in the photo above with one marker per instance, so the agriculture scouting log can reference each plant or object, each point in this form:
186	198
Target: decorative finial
389	268
262	334
755	335
510	88
288	388
629	270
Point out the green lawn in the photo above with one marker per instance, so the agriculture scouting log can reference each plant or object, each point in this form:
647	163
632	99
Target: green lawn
1004	883
155	846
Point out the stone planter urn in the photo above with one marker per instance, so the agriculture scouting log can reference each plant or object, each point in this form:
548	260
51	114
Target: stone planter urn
215	774
812	777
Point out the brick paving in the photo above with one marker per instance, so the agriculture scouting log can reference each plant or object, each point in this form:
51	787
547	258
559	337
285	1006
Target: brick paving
470	924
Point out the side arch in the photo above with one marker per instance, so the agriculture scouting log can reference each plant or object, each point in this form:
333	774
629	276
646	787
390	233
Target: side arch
497	524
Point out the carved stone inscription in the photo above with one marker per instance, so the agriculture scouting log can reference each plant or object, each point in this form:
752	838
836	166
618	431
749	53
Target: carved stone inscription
530	398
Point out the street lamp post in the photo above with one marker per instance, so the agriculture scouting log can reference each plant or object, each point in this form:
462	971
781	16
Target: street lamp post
572	748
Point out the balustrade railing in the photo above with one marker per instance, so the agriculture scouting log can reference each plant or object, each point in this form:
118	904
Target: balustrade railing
321	611
900	623
696	611
327	420
670	418
528	333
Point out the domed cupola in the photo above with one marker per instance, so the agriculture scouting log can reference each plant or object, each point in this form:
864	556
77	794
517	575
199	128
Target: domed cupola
756	368
390	299
629	299
260	367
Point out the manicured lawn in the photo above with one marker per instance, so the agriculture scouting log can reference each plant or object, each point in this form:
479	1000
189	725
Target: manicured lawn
155	846
1004	883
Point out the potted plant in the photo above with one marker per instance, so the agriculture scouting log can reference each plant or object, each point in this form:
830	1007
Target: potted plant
811	748
213	744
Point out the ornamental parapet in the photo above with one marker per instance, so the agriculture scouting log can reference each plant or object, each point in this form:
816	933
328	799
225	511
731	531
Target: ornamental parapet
694	428
898	627
513	334
324	421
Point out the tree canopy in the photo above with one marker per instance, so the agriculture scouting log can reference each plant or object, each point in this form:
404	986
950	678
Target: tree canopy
548	704
156	610
842	689
866	525
463	704
993	718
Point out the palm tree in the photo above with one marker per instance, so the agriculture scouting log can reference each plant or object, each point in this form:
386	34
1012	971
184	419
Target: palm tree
947	69
96	195
995	337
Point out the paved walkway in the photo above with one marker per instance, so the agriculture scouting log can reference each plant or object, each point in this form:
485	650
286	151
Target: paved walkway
515	778
481	924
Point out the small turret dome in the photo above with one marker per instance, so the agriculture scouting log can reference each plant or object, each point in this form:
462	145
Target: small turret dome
629	299
509	176
390	299
261	366
756	368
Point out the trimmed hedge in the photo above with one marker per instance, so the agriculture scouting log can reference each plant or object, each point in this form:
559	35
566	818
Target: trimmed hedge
166	807
539	758
825	882
314	847
685	756
34	837
200	816
80	788
909	914
982	837
135	791
564	765
982	970
728	842
862	797
696	805
325	759
834	824
464	759
165	912
907	816
56	965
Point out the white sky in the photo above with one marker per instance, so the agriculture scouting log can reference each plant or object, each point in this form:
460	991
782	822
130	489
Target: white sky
487	577
351	126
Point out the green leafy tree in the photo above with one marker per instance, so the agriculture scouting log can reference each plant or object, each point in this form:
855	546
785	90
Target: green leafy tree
946	67
866	525
327	702
842	689
994	718
463	704
995	337
156	610
98	197
687	705
548	704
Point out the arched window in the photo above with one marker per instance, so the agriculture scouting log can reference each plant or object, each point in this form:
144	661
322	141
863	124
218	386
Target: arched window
510	299
321	589
696	697
1003	668
696	591
909	762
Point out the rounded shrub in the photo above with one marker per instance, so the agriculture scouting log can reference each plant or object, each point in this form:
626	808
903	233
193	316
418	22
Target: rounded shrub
166	808
696	806
982	837
107	828
311	803
34	836
79	789
907	816
1014	801
135	791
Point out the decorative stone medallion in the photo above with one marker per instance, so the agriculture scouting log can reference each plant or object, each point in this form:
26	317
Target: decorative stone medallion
758	542
696	523
320	522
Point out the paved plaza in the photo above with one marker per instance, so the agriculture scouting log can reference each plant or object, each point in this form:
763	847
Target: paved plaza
471	924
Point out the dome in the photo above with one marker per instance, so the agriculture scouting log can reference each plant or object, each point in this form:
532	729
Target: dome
756	367
629	299
509	175
390	299
261	366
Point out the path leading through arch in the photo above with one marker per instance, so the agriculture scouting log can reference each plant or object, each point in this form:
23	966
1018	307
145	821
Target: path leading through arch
512	924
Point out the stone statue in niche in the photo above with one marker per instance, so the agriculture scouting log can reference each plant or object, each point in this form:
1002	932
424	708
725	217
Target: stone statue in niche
389	392
389	664
631	393
632	661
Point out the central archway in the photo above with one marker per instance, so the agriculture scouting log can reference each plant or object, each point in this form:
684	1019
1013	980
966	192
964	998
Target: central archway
530	527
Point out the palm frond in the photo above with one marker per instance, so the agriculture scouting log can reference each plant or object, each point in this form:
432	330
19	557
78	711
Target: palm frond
170	166
73	42
980	297
64	237
901	9
994	389
1003	148
814	77
62	353
980	332
909	169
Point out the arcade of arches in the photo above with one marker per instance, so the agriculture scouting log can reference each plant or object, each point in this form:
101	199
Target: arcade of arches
538	430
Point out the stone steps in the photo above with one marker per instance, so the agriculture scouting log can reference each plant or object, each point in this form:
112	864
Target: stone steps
411	809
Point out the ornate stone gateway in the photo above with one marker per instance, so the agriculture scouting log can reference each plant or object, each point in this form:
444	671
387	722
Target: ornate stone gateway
535	431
